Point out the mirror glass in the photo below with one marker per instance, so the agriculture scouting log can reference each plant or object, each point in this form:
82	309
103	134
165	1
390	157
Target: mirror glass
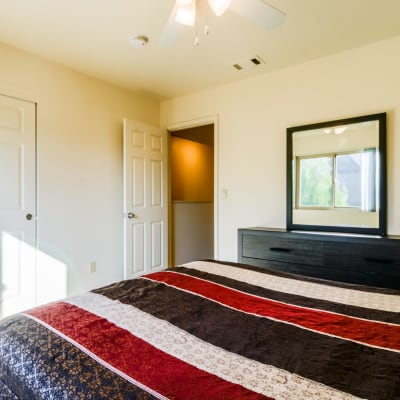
336	176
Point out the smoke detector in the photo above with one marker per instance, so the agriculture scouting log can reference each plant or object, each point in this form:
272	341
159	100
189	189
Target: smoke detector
139	41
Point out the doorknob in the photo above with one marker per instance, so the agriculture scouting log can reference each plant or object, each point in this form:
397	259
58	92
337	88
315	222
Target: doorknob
131	215
28	216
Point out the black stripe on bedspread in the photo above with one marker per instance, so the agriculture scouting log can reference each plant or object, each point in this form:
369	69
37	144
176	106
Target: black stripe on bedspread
315	356
36	363
360	312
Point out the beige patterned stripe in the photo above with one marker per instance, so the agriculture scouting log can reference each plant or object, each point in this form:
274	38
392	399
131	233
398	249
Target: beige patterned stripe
377	301
250	374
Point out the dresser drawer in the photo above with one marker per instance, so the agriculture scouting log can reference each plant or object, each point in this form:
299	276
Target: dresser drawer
283	249
373	261
366	257
315	271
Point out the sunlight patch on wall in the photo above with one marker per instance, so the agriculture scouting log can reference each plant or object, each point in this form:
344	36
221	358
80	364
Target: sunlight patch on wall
28	276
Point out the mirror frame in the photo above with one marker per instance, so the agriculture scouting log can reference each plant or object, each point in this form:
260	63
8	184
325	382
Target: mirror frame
382	212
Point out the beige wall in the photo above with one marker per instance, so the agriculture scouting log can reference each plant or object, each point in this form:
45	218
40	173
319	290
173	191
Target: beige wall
253	117
192	231
79	162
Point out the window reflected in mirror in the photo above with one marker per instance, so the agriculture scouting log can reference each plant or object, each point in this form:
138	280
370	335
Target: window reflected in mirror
315	188
336	175
338	180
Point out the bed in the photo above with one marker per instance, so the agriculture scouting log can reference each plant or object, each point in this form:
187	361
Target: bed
207	330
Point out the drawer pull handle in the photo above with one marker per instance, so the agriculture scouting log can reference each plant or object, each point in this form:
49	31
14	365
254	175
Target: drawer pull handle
380	260
281	249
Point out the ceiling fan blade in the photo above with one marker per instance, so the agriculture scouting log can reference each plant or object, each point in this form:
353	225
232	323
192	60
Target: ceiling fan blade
258	12
172	30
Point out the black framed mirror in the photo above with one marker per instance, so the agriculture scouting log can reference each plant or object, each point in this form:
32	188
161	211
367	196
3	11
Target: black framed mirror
336	176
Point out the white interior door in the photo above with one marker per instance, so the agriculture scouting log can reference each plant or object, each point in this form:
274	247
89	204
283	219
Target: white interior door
145	199
17	205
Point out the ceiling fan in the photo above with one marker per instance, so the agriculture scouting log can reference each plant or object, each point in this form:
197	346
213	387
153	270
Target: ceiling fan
185	12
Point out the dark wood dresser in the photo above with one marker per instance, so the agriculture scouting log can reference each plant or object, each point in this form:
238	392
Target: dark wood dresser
367	260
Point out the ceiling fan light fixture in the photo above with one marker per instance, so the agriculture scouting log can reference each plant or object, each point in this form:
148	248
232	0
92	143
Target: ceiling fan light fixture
186	13
219	6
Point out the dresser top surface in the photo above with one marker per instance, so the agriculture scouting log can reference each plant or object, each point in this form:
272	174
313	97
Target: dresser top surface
337	236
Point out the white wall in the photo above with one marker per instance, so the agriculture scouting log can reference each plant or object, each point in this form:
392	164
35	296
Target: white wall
253	117
192	231
79	162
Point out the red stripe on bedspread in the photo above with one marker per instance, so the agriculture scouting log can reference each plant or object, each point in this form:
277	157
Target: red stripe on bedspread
364	331
136	358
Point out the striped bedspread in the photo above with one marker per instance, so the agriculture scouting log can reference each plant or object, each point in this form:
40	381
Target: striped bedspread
207	330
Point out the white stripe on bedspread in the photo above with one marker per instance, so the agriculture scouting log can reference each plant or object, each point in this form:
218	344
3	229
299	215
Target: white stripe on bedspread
377	301
253	375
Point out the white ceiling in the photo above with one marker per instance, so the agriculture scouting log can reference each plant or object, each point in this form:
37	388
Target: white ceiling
93	36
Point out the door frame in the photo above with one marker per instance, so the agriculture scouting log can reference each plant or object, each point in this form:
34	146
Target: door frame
194	123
